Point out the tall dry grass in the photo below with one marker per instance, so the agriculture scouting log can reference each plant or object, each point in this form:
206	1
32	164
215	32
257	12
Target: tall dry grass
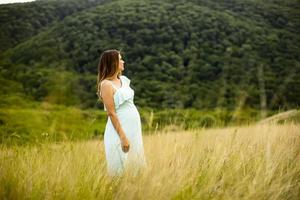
253	162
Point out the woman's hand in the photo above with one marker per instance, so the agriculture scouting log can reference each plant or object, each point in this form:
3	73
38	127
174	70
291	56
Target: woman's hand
125	144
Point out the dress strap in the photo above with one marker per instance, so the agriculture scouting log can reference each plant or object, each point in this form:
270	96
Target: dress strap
113	85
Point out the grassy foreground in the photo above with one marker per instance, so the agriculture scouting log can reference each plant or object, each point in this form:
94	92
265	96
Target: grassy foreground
250	162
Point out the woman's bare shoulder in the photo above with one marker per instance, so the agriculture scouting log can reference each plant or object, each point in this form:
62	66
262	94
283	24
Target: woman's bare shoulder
105	84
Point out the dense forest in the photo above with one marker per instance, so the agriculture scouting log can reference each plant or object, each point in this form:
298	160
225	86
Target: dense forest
19	22
204	54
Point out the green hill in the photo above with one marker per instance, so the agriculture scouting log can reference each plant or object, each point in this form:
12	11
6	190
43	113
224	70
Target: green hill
181	53
19	22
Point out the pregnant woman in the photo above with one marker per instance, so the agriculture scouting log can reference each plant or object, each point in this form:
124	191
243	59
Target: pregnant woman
123	134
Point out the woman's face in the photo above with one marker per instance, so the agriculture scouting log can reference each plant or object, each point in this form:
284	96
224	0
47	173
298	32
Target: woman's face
121	63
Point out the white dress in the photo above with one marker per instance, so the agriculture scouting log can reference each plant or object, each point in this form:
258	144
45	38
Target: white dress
129	117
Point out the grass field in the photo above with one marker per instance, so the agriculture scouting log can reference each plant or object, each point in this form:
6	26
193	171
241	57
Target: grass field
43	122
250	162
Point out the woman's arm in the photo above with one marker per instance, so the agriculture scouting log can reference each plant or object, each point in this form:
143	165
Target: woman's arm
108	100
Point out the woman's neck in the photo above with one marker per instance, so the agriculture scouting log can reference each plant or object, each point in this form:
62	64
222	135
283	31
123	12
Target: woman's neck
113	78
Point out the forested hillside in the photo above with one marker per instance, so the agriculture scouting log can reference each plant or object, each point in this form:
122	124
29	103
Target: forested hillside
19	22
182	53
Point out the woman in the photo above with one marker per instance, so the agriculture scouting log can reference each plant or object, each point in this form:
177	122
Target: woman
123	134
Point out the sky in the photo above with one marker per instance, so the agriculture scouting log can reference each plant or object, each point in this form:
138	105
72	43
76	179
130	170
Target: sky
13	1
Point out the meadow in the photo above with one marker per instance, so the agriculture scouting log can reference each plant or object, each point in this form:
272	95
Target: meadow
258	161
42	122
215	82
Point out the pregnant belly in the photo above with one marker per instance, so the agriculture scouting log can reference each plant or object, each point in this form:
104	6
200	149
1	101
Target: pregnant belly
128	114
130	121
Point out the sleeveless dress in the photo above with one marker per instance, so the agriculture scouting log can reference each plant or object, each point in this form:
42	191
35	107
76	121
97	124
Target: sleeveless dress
129	118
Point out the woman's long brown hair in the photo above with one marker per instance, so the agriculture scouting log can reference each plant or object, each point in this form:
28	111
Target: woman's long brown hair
107	67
